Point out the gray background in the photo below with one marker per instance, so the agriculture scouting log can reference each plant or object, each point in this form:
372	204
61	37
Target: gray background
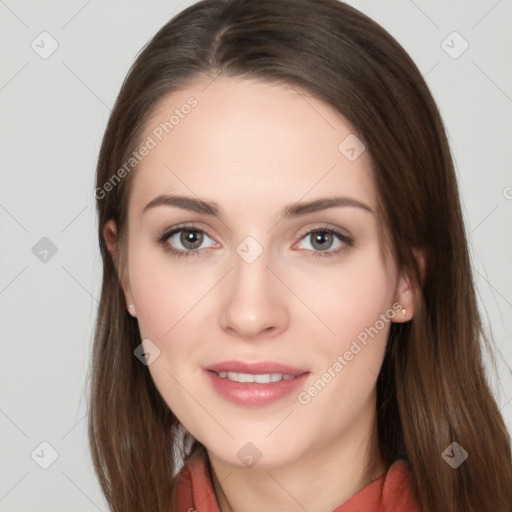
53	114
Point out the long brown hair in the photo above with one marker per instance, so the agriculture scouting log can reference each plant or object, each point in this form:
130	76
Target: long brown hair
432	388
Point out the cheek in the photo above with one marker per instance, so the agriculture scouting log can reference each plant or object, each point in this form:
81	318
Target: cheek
359	311
166	302
163	293
358	293
173	307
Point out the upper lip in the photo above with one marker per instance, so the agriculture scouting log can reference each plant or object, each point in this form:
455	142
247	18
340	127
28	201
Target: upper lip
255	368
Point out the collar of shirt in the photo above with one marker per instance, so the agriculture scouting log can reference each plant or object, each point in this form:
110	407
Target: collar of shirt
391	492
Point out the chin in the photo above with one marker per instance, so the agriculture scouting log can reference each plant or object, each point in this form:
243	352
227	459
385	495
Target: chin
255	452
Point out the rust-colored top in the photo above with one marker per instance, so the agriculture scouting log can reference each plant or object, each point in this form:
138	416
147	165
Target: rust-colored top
391	492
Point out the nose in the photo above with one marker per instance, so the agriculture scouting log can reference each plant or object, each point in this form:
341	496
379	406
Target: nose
254	302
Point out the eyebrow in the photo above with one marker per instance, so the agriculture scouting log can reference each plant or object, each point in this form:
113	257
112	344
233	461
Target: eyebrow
294	210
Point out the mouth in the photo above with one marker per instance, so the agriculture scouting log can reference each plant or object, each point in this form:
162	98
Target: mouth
255	384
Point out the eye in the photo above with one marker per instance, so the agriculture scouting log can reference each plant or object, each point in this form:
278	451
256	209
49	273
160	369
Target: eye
184	240
322	239
188	241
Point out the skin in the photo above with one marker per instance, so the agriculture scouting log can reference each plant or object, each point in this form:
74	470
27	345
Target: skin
254	148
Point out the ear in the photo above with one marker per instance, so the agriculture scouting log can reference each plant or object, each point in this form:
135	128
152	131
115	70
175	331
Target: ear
421	260
112	241
404	300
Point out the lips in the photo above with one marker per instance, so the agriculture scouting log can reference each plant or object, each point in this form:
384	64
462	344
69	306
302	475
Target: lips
272	381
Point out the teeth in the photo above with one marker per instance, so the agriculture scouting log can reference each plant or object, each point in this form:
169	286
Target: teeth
262	378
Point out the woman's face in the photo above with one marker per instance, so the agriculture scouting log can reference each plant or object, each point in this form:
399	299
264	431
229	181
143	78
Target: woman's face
263	279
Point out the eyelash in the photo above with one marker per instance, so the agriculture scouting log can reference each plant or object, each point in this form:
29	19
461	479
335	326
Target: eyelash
162	240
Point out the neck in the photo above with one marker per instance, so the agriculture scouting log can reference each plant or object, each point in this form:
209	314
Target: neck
317	481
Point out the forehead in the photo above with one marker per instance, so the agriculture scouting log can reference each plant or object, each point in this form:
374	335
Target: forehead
238	141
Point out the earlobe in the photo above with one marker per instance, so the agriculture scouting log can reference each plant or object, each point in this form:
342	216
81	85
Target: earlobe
127	293
111	239
405	289
404	300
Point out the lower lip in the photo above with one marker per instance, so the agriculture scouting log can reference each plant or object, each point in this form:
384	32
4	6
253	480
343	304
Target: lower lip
253	394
